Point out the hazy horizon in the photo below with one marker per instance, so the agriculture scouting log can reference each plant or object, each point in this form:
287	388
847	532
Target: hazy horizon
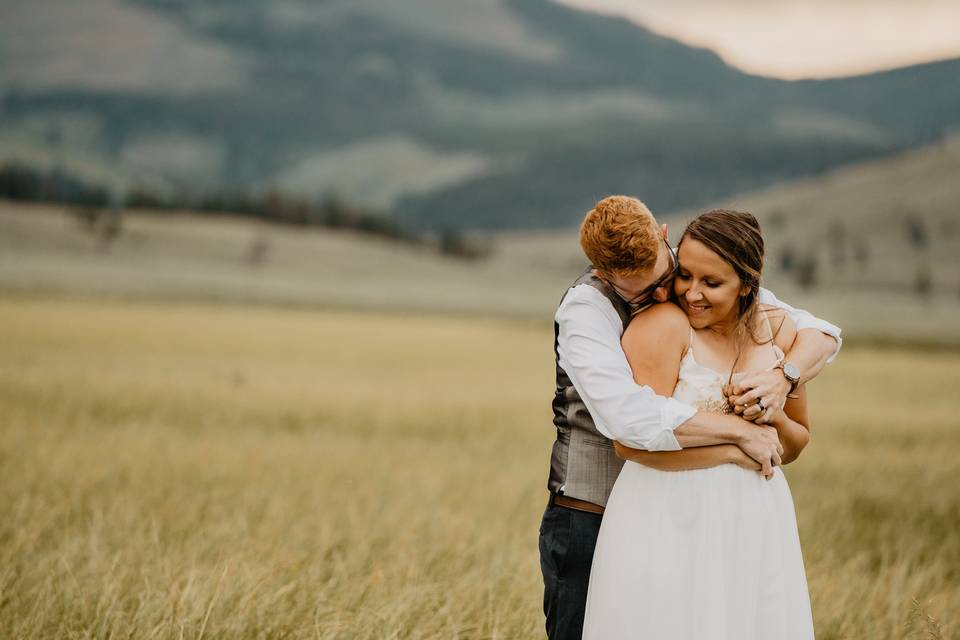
792	39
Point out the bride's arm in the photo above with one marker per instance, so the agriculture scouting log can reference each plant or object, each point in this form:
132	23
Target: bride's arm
793	425
692	458
792	422
816	345
654	344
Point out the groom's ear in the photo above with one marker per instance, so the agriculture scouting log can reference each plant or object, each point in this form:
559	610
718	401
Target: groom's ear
663	231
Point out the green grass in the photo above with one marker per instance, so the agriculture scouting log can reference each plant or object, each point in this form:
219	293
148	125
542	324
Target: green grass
193	470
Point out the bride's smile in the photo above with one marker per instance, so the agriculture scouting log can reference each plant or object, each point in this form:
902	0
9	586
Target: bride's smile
707	287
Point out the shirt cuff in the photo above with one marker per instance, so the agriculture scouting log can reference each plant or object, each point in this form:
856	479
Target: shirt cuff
673	413
806	321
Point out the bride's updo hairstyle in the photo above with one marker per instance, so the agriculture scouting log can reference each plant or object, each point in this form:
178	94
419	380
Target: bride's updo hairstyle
735	237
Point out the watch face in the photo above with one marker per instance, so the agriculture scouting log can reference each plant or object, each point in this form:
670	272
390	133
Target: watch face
791	371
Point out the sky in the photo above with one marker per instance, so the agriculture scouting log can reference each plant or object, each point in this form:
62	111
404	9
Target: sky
803	38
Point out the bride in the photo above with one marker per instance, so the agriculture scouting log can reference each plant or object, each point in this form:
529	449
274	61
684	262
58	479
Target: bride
697	544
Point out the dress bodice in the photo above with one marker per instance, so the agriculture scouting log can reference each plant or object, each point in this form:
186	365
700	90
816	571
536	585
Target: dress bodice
702	387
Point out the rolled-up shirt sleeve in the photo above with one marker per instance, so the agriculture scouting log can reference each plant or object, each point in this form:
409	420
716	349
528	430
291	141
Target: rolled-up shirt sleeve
804	319
589	351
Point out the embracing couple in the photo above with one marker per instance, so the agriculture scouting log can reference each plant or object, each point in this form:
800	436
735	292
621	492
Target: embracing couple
680	392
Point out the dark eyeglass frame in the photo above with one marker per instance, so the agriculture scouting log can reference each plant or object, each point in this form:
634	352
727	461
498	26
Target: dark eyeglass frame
644	299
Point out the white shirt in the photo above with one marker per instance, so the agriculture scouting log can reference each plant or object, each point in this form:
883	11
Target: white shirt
589	351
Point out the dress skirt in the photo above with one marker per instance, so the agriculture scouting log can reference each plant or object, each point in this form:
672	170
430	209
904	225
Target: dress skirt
708	554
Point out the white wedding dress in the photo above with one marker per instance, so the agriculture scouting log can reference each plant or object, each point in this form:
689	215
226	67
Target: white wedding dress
707	554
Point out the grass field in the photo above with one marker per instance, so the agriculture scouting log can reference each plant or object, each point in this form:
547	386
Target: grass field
202	471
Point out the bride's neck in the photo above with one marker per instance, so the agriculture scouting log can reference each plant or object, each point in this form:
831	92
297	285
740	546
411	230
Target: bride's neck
727	327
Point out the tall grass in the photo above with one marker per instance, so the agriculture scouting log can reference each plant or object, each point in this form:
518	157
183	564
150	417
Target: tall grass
195	471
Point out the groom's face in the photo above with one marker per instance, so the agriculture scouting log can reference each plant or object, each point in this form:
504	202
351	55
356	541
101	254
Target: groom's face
649	287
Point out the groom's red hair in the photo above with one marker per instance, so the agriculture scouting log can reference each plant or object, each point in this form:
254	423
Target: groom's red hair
620	237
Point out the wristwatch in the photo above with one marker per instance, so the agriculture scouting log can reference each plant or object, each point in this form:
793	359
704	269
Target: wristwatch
792	374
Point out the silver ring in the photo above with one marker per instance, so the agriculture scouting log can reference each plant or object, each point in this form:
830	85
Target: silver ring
760	404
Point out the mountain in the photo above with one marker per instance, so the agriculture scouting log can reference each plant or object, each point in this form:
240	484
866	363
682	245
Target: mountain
445	113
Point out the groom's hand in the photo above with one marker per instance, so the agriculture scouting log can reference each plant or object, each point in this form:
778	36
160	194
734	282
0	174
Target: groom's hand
769	387
761	443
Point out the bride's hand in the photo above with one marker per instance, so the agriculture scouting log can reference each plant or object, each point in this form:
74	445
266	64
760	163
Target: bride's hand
739	458
769	387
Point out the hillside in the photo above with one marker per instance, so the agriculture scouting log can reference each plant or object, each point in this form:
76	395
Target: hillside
458	113
176	256
875	226
875	232
874	246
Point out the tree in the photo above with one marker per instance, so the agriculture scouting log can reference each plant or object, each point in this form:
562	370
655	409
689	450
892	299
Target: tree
455	244
258	250
916	232
807	271
837	241
861	252
788	259
923	281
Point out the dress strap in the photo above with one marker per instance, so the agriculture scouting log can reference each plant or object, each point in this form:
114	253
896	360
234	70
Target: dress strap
777	351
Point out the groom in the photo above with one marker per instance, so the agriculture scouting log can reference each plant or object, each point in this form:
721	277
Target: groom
598	401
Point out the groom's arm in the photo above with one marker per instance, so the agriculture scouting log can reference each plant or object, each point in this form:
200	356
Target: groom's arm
589	351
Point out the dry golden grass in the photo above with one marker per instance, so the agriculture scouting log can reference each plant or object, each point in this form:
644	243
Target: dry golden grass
200	471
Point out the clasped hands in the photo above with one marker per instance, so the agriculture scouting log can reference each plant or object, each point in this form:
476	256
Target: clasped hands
760	397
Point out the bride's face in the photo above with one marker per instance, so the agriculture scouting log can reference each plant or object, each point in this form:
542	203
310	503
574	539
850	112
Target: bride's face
708	288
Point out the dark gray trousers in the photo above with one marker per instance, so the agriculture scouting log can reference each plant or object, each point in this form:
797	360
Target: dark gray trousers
567	540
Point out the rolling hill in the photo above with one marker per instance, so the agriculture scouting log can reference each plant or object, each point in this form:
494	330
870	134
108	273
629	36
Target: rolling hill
875	231
476	114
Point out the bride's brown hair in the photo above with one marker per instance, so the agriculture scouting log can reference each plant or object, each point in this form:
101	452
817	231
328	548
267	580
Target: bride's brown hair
735	236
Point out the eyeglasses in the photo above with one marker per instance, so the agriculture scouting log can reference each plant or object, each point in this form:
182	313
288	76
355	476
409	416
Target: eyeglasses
644	299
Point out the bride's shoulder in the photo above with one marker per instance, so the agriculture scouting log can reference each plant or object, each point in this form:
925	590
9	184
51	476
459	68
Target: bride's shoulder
664	322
